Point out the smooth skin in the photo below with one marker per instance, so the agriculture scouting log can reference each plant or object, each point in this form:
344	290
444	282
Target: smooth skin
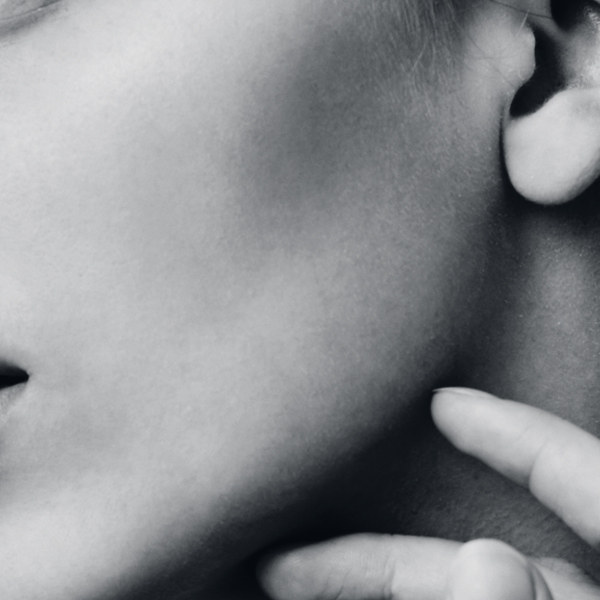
233	235
220	267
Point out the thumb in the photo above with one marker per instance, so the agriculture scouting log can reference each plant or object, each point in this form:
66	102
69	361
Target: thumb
492	570
360	567
376	567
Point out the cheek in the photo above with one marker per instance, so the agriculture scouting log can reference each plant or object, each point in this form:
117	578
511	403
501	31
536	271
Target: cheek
119	202
231	280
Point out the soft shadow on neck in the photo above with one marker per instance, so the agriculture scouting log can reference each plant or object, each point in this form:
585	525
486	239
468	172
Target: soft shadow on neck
538	341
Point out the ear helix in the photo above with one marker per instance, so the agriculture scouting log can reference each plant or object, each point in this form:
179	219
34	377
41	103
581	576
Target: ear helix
553	155
552	140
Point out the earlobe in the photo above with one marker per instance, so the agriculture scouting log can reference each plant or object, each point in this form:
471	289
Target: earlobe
553	155
552	150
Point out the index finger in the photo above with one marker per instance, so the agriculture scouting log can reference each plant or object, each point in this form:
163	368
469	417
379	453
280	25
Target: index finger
557	461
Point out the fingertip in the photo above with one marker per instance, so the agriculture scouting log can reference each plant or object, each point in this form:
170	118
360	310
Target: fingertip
450	406
491	570
280	575
460	394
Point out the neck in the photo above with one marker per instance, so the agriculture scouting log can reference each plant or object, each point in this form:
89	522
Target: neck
539	342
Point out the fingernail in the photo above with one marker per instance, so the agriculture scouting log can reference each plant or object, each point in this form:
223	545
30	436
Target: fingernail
461	392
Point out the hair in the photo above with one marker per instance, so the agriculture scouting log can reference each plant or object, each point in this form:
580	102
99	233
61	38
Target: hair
418	39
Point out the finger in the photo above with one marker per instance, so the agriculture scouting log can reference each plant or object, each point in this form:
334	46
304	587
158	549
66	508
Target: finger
557	461
376	567
492	570
566	580
566	570
360	567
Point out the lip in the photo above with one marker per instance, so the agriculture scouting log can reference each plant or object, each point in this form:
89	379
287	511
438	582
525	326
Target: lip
13	380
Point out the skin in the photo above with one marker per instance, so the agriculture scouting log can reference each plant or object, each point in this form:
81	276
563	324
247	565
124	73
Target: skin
232	260
539	346
552	458
537	343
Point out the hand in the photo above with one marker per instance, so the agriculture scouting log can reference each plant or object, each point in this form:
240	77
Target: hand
557	461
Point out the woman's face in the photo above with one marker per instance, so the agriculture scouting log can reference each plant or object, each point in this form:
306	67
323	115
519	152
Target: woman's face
235	242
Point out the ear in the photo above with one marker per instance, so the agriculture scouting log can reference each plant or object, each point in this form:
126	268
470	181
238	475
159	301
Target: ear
552	131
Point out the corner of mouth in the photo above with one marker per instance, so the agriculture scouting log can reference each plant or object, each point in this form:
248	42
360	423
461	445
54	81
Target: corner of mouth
12	375
13	380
